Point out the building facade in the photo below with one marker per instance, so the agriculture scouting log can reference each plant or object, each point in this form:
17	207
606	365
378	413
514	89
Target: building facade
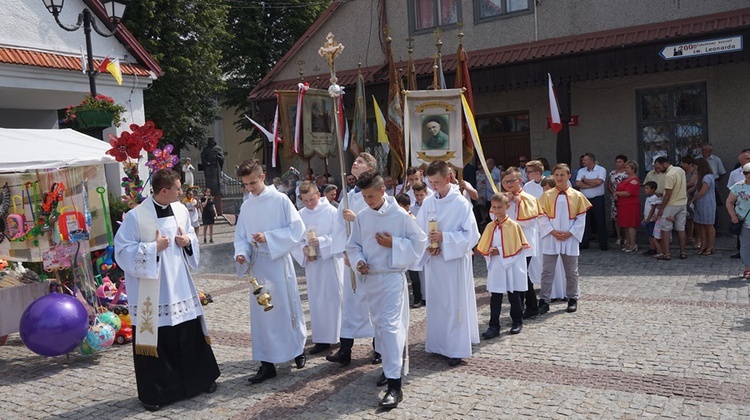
642	79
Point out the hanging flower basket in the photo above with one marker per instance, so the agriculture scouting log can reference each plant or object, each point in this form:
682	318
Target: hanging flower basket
94	112
94	118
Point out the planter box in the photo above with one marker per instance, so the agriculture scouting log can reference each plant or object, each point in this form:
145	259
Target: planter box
94	118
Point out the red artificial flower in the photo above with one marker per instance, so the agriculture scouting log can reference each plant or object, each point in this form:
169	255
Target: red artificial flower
118	150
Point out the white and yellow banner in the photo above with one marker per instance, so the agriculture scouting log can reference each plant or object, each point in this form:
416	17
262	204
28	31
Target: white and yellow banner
432	126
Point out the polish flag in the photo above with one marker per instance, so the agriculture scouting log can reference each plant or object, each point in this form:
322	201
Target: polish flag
554	110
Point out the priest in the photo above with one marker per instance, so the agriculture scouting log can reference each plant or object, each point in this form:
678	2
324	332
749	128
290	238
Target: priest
267	231
156	247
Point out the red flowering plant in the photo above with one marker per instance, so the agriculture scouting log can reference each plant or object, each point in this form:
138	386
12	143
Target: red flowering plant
127	149
95	103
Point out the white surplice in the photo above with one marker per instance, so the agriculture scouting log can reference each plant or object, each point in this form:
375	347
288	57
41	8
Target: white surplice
452	324
355	314
535	266
563	223
325	275
385	283
178	297
505	274
277	335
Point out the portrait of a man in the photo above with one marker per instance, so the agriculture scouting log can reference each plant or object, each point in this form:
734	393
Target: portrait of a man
435	132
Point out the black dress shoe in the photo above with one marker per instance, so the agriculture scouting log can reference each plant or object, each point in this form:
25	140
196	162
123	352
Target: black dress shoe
211	388
382	380
340	357
266	371
392	398
735	256
572	305
543	307
300	361
530	313
319	348
454	361
151	407
376	358
491	332
393	395
515	329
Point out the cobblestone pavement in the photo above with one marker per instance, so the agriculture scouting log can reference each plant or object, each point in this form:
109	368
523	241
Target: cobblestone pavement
650	339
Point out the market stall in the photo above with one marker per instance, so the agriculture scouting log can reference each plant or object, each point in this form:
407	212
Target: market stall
53	209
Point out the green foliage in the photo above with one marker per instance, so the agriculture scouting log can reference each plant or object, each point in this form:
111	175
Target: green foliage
262	32
117	207
184	37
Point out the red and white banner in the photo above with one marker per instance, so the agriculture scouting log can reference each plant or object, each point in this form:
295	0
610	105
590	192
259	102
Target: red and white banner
554	110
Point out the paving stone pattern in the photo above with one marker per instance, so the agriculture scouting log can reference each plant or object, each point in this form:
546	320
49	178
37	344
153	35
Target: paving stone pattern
651	339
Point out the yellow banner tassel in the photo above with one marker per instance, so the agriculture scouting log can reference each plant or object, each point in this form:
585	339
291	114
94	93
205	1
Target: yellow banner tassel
144	350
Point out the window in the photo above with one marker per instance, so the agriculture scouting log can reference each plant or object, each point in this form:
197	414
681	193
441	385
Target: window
429	14
672	122
491	9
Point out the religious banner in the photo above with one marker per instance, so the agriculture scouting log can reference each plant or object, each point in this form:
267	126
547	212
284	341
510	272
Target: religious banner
287	102
433	126
318	124
51	211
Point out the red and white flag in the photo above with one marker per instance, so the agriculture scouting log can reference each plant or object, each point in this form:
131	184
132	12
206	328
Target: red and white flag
554	110
273	137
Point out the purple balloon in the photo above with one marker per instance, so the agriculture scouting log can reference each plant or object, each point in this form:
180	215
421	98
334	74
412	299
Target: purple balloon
54	324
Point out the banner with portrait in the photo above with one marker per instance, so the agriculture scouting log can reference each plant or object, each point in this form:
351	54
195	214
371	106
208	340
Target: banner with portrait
318	124
433	126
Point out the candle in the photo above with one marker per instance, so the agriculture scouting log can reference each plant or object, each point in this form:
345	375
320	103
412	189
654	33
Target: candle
311	249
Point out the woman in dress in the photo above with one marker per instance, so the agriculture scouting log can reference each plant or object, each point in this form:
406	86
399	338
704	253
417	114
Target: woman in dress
193	210
687	163
188	170
628	204
704	201
614	179
738	207
209	215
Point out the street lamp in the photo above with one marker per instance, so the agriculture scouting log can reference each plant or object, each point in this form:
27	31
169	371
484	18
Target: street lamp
114	8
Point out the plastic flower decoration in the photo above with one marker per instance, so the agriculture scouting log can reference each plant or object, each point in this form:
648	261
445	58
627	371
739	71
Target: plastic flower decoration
127	149
163	159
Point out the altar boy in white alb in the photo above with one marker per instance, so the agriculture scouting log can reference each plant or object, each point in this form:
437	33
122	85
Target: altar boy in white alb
452	325
384	242
355	314
324	268
156	247
268	229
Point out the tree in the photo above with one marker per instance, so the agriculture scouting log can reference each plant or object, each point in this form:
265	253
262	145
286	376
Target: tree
263	31
184	37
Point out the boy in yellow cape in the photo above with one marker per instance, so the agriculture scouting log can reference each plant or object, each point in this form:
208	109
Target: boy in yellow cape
502	245
561	229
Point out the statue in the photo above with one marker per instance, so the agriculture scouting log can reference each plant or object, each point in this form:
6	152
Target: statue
212	159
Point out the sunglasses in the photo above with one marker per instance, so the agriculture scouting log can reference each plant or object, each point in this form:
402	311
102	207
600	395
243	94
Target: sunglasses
745	173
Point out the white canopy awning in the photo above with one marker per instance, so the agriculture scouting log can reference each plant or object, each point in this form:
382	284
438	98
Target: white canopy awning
26	149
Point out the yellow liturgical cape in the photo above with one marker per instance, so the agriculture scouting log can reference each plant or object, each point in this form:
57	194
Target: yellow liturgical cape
577	202
514	241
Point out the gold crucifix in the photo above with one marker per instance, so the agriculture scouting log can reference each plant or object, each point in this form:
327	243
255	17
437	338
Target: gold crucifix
330	50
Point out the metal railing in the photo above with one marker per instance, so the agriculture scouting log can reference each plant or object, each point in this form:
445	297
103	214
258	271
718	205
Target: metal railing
231	187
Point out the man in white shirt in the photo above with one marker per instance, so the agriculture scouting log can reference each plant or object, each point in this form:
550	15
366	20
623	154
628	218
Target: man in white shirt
522	167
590	180
495	171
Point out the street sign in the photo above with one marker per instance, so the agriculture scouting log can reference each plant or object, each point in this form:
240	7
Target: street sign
698	48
